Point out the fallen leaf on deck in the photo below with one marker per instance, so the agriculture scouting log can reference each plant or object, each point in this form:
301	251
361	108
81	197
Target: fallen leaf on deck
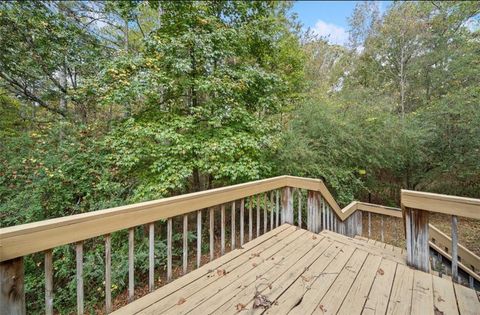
322	308
221	272
380	271
181	301
440	299
240	307
254	265
261	301
314	237
305	279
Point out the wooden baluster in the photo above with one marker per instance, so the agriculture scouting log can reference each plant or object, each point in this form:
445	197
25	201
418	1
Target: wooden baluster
369	225
299	208
242	221
222	230
272	210
454	248
151	257
265	214
131	267
79	258
250	219
334	216
277	205
234	237
381	230
199	238
169	249
258	215
471	282
324	214
185	243
108	273
48	282
328	217
12	293
310	201
212	231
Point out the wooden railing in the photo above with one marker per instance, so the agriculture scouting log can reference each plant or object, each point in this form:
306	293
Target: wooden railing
416	207
272	200
252	208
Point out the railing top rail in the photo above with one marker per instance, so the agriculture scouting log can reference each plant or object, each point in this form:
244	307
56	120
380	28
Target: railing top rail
453	205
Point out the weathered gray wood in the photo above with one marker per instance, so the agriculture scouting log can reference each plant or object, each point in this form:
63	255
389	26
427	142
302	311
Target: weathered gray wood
169	249
242	221
222	229
277	207
151	257
287	205
185	244
310	211
250	218
258	215
299	208
79	259
265	214
324	215
471	282
108	273
12	292
232	228
272	210
454	248
369	225
313	211
199	238
381	229
416	222
212	233
48	282
359	230
131	267
328	218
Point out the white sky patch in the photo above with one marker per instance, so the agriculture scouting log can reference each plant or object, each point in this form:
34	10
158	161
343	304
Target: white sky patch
333	33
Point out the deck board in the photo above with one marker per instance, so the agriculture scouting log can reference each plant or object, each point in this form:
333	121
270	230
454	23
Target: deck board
299	272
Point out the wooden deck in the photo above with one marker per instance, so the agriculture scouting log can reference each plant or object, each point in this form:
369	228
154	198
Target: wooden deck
291	270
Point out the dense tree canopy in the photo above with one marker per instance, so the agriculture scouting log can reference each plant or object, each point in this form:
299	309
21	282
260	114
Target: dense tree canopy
109	103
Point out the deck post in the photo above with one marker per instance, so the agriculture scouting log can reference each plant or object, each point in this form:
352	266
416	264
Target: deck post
287	205
313	211
12	293
416	226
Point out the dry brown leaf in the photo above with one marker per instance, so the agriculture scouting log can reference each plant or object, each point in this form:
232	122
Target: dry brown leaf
254	265
322	308
221	272
314	237
305	279
261	301
255	255
380	271
181	301
440	299
240	307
